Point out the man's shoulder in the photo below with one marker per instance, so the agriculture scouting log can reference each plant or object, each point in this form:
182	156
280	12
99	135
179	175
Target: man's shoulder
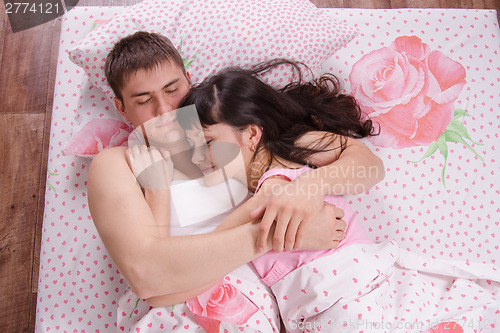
111	154
110	157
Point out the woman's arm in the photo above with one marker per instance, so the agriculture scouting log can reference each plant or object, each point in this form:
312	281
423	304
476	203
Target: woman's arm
152	264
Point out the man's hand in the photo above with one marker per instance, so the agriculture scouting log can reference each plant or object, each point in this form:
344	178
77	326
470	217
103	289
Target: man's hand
152	167
289	207
325	231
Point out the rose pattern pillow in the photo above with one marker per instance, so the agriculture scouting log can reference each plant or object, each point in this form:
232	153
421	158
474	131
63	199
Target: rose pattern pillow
221	33
97	135
216	34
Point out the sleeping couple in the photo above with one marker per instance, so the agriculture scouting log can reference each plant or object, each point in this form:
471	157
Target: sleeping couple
206	216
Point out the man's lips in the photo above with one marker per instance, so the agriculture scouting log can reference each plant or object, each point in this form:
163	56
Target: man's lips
166	122
208	169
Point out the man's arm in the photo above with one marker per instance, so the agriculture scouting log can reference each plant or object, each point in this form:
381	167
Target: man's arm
319	235
354	170
351	171
151	263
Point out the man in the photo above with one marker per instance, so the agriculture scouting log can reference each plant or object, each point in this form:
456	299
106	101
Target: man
148	77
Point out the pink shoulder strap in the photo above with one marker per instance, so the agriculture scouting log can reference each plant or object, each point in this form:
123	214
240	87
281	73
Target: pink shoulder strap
290	174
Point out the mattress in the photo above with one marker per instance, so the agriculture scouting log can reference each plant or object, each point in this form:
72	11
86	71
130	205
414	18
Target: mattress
439	200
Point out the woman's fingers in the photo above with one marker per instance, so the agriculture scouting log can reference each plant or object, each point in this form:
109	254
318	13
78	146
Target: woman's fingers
340	237
258	212
339	213
152	168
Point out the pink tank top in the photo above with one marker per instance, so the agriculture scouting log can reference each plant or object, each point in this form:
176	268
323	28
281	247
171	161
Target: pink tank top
273	266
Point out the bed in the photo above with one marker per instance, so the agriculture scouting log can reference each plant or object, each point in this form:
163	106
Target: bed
439	197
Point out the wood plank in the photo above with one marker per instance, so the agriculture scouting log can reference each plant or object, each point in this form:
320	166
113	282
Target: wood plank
367	4
20	137
45	148
3	22
438	4
493	4
417	4
328	3
43	175
462	3
26	55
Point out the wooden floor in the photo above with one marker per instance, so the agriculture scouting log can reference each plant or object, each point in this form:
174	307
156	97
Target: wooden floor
27	72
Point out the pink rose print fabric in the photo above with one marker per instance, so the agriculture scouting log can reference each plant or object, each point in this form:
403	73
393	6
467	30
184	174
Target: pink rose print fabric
81	290
230	306
382	287
223	302
409	90
96	135
447	327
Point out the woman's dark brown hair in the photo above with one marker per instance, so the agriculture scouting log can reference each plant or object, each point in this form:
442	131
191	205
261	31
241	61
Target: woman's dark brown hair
238	97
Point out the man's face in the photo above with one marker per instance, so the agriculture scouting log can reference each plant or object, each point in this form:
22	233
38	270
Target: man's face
150	93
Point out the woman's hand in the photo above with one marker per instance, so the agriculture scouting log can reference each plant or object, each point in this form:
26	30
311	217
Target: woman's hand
294	209
152	167
323	232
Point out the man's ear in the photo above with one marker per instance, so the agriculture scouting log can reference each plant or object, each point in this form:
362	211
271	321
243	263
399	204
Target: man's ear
119	106
188	77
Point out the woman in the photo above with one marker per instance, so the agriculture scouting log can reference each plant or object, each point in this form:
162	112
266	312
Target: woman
281	119
147	75
133	313
353	287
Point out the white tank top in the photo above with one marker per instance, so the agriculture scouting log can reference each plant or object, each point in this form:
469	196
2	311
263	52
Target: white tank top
196	208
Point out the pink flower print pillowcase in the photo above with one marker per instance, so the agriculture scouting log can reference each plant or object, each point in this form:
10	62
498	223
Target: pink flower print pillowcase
97	135
210	36
216	34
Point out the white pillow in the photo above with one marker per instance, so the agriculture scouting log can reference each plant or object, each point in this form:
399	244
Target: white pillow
216	34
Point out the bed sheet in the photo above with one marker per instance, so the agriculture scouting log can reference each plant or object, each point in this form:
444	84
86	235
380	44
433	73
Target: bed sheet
78	284
456	219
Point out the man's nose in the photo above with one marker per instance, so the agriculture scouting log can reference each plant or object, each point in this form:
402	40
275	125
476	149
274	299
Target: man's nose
164	106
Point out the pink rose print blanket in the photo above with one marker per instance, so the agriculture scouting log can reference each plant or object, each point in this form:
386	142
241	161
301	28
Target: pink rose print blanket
383	288
238	303
434	91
